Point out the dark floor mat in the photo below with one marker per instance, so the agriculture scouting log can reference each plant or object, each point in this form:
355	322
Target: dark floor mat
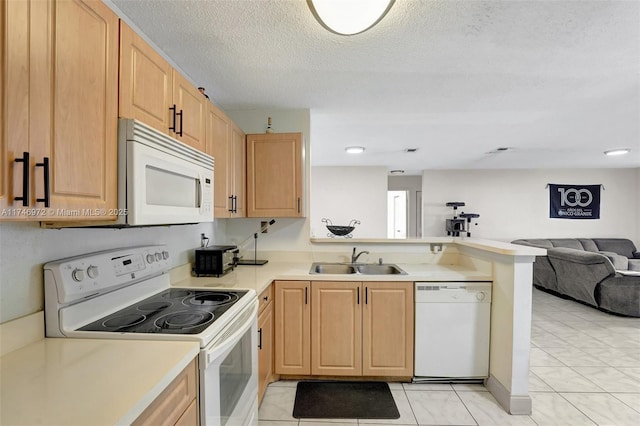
344	400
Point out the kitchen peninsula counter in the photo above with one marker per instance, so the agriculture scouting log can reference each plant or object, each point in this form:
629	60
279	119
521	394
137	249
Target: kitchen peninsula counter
87	381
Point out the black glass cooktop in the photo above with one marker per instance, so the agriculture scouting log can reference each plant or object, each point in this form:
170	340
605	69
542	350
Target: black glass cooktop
173	311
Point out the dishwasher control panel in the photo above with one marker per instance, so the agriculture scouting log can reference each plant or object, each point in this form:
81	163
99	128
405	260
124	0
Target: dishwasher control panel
453	292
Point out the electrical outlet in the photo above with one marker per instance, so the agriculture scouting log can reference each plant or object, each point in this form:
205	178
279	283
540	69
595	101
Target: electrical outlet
436	247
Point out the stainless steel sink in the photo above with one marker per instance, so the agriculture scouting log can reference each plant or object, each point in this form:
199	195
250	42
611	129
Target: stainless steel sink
380	269
332	268
356	268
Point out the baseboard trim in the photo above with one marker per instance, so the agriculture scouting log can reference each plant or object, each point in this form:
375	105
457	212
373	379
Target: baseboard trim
513	404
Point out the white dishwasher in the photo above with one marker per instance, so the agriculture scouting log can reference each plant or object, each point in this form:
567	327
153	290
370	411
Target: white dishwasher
452	330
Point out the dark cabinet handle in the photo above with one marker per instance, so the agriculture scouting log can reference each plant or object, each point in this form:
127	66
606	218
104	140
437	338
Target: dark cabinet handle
266	298
25	179
173	109
235	204
231	204
260	338
180	132
306	298
298	204
45	166
358	296
366	295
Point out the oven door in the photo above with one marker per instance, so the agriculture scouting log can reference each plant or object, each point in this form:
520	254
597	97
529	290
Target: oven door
229	374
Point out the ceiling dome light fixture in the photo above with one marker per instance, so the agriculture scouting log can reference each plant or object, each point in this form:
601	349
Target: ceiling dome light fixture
354	149
620	151
349	17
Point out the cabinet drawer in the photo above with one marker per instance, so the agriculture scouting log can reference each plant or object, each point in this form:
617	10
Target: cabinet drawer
265	298
169	407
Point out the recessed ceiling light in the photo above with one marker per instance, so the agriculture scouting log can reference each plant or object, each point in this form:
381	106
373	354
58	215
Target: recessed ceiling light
621	151
396	172
354	149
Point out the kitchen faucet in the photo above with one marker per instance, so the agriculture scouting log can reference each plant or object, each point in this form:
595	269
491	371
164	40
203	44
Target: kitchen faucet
354	256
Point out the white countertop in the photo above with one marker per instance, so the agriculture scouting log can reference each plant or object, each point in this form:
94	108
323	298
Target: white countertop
259	277
86	381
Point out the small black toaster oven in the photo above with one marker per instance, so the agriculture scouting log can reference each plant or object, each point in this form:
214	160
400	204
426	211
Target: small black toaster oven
215	260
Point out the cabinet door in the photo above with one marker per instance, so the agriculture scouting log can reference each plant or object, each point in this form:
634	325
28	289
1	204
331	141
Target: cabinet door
145	82
175	405
336	347
62	110
265	349
274	175
192	105
293	326
26	59
239	170
387	342
85	109
218	140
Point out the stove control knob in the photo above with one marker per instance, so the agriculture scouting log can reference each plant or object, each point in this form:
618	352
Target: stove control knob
150	258
158	256
165	255
77	275
480	295
92	271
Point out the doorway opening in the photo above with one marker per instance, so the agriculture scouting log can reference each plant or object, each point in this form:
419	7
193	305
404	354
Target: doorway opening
397	202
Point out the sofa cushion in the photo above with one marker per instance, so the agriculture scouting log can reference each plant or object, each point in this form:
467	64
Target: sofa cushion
588	244
571	243
620	263
634	265
620	294
621	246
578	272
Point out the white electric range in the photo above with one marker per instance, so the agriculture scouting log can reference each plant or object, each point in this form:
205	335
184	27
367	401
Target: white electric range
125	294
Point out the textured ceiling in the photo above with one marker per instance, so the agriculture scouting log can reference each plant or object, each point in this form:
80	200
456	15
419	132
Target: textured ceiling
557	82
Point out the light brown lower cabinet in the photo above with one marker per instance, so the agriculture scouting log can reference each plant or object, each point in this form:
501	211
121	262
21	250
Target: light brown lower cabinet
265	341
293	327
177	404
331	328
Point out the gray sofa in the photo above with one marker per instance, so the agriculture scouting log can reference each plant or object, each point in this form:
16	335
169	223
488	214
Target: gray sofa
601	272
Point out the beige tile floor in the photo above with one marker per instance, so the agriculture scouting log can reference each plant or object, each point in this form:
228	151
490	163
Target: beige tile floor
584	370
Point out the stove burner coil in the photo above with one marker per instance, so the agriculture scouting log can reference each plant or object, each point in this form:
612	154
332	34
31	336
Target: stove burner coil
122	321
211	299
183	320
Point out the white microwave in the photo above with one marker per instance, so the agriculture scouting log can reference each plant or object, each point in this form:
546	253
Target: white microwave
161	181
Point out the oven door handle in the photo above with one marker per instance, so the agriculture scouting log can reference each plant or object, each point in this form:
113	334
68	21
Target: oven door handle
232	335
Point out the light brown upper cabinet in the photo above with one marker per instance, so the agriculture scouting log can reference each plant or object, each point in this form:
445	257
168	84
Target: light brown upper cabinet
152	91
274	175
227	145
59	119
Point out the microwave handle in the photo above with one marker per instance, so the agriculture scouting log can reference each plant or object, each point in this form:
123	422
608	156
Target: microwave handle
227	342
200	191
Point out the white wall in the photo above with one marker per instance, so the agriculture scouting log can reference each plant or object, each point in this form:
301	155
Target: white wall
25	248
515	203
345	193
